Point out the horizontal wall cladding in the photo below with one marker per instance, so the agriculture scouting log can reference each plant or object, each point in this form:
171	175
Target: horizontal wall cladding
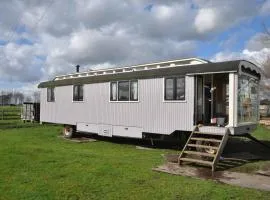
151	113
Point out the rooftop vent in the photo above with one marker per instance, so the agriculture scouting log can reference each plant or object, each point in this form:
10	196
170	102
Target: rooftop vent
77	68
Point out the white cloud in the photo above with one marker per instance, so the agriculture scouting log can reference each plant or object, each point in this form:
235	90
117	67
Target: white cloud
21	62
108	32
257	50
258	42
265	9
206	20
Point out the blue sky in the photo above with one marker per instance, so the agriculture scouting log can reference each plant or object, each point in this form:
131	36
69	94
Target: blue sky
240	35
36	43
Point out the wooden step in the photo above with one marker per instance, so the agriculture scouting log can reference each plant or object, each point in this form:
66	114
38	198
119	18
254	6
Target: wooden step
202	146
199	153
207	133
196	161
205	139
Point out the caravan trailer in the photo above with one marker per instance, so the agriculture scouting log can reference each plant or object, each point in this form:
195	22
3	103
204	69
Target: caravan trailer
159	100
155	99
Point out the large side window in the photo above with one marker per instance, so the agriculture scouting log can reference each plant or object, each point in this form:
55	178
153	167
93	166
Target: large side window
174	88
78	93
124	91
50	94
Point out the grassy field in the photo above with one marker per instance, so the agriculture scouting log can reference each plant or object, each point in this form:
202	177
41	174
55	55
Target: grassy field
37	164
10	112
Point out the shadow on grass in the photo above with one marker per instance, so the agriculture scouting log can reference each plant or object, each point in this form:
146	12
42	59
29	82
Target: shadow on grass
238	152
138	142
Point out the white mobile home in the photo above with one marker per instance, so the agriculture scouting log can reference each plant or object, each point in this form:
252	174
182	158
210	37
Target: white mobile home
157	101
157	98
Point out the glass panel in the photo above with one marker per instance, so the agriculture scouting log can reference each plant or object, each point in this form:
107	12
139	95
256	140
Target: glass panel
199	100
52	94
113	91
169	88
248	101
180	89
75	93
48	94
80	98
123	90
134	90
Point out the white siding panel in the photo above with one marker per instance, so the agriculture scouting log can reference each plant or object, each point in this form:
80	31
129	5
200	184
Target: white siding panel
151	112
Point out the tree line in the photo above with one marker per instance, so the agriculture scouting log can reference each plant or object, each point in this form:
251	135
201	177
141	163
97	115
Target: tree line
17	97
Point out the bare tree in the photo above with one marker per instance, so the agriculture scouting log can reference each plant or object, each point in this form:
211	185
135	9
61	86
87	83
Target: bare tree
265	83
36	96
18	97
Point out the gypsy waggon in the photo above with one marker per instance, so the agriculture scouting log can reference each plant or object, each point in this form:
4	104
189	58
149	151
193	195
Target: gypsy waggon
157	101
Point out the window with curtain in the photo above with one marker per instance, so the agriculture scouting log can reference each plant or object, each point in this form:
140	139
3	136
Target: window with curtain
124	91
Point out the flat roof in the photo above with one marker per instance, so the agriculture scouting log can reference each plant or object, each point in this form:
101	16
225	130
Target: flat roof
146	73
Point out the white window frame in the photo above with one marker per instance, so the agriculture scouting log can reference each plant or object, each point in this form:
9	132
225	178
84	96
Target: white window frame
117	101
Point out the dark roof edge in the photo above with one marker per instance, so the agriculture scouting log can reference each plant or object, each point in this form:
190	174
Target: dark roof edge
226	66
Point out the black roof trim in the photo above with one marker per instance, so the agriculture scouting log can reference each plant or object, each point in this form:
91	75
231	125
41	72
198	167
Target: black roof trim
227	66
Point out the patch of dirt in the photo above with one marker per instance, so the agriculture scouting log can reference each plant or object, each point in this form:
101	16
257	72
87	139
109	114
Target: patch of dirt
79	139
260	182
265	121
143	148
264	173
173	158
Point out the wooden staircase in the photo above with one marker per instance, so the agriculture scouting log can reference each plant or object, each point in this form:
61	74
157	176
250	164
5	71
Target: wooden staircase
204	148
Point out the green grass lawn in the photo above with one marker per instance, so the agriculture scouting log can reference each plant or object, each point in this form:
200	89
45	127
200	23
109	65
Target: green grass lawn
36	164
10	113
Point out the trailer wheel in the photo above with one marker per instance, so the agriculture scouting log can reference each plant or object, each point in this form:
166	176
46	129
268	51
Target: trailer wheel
68	131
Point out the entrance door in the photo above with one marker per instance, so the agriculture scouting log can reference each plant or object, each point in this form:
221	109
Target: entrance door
199	102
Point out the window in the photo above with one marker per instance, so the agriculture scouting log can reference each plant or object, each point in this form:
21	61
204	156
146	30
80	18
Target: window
248	99
174	88
114	91
78	93
124	91
134	90
50	95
